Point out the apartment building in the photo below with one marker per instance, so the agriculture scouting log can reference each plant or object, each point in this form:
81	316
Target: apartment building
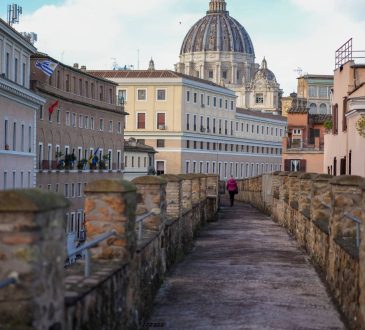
18	109
194	124
79	133
345	143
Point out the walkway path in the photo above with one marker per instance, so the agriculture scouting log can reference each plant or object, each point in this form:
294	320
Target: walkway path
244	273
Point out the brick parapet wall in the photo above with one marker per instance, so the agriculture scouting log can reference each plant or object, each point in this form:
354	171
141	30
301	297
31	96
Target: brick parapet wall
125	272
312	207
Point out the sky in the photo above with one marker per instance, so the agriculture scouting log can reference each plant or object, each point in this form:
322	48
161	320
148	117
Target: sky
291	34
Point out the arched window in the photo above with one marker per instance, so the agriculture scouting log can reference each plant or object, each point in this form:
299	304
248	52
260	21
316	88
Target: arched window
323	108
313	108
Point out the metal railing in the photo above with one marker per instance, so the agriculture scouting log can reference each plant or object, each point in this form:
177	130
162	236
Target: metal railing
9	281
84	250
143	217
358	228
357	221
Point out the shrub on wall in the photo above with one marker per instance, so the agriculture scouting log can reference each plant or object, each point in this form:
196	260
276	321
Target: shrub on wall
360	126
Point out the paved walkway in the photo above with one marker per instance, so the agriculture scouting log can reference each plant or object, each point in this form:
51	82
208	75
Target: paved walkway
244	273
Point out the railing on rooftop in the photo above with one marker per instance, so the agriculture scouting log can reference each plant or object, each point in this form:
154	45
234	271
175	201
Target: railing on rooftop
346	53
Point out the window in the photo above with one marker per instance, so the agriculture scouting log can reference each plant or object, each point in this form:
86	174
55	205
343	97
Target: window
119	127
313	108
101	93
67	118
66	190
81	121
161	121
7	65
259	98
16	70
210	74
224	74
220	103
208	101
30	139
226	104
187	144
187	96
187	122
161	94
67	83
213	125
194	122
86	122
141	95
73	118
101	124
92	123
80	86
14	179
110	126
312	91
14	136
22	138
160	143
195	97
122	95
23	74
160	167
6	129
232	105
187	167
214	101
323	92
141	120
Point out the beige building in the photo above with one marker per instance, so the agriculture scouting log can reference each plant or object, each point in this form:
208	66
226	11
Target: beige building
195	126
345	144
18	109
219	49
82	139
316	91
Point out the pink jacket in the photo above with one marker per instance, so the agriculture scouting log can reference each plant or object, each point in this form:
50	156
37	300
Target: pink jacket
231	185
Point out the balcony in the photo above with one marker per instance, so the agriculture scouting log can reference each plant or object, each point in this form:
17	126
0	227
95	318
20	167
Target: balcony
306	145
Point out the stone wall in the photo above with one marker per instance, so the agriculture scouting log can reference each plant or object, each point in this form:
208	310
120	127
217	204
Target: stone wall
314	209
126	272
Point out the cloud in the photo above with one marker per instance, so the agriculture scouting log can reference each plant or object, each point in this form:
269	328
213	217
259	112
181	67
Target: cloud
299	33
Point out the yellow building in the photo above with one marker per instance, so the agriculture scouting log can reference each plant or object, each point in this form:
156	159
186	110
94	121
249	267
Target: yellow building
195	126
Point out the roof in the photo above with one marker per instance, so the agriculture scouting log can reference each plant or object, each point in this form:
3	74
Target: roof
260	114
138	147
46	56
320	119
298	110
147	74
317	76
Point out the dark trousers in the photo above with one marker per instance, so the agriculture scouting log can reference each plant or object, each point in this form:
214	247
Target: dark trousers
231	197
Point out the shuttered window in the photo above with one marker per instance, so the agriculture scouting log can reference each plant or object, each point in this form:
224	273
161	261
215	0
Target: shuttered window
160	119
335	119
141	121
344	119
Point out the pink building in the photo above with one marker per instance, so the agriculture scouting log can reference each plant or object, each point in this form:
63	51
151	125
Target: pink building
345	144
18	108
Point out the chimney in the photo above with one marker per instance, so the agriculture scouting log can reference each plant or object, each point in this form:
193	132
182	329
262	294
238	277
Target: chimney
76	65
83	67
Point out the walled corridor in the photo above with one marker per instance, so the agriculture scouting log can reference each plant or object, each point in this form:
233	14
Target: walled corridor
244	273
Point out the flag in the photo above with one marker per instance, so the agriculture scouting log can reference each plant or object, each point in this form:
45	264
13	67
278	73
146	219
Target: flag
46	66
92	159
53	106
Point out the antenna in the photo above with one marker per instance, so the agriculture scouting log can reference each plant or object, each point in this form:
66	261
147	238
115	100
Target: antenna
14	12
299	71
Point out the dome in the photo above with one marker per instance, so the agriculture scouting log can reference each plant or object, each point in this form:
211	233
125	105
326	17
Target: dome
264	72
217	31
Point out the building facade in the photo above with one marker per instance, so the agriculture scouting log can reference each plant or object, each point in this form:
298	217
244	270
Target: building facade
194	125
79	133
18	110
139	159
345	144
303	147
316	90
219	49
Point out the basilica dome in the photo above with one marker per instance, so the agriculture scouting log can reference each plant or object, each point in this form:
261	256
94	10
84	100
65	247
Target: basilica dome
265	73
217	31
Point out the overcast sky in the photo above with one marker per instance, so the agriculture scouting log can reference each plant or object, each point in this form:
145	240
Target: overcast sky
289	33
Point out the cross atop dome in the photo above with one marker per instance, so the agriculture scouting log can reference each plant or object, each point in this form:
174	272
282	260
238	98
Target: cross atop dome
217	6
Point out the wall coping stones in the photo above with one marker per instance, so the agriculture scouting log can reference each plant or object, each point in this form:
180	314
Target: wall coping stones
308	176
31	201
294	174
149	180
171	178
276	173
323	177
187	176
347	180
284	173
110	186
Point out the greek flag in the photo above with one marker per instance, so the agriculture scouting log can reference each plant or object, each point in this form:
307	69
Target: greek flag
46	66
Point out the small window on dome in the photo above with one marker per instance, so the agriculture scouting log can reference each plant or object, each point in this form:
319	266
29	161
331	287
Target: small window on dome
224	74
211	74
259	98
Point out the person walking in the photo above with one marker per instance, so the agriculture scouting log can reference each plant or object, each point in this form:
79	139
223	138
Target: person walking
232	188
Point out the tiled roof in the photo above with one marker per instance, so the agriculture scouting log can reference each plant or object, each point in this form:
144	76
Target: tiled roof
138	147
316	76
320	119
260	114
298	110
147	74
